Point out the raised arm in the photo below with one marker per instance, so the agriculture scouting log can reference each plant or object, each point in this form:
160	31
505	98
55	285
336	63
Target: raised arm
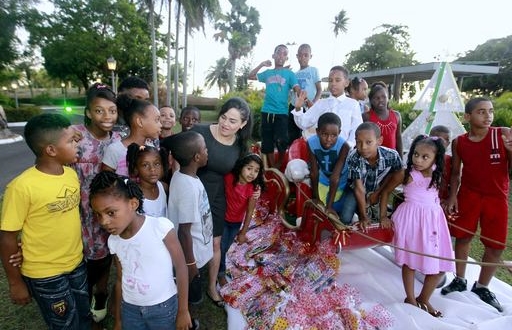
254	72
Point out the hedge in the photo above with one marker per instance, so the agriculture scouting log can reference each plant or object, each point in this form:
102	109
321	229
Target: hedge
24	113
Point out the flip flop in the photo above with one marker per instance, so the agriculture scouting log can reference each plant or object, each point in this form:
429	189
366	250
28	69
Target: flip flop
218	303
434	313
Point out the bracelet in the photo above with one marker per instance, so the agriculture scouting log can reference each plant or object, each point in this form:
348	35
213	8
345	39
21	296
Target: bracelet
191	264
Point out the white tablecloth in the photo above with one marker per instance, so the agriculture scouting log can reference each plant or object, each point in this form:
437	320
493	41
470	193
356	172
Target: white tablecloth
379	281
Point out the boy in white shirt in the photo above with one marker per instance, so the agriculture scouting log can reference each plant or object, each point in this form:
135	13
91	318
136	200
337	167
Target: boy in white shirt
189	208
346	108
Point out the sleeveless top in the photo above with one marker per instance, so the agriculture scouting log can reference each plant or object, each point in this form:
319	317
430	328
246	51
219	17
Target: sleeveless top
484	164
156	207
388	127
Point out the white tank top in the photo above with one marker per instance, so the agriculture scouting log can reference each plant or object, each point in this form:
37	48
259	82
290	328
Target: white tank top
156	207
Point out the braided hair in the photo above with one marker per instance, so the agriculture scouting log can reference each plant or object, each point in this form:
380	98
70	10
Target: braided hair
135	151
110	183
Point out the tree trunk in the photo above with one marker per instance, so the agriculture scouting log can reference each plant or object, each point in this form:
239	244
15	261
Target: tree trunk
153	52
232	75
169	76
176	61
185	66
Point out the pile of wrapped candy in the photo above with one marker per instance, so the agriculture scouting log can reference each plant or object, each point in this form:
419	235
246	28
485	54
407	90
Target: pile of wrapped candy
277	282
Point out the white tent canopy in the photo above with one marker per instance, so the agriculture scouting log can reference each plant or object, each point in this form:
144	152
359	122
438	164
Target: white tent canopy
438	102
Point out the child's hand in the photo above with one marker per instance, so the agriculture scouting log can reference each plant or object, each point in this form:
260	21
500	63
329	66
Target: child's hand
16	259
241	238
301	98
266	63
183	320
507	138
192	272
452	208
363	224
19	293
257	193
373	198
77	136
386	223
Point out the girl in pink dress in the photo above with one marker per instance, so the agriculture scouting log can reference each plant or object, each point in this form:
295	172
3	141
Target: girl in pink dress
419	222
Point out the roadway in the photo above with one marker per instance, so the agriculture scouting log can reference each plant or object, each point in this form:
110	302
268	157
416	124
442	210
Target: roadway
16	157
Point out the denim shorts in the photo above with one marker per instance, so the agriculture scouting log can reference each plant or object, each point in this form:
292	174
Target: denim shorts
161	316
63	300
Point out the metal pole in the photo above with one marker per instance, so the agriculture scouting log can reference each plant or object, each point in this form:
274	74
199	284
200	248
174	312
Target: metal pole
113	82
16	98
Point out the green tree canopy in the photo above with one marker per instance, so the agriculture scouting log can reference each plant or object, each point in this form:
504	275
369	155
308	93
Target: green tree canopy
492	50
77	38
239	28
386	49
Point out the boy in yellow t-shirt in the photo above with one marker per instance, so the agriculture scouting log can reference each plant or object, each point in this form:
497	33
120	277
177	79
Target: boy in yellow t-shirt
41	204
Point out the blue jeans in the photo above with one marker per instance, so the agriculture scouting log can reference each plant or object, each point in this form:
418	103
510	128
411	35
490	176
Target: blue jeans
63	299
349	206
228	237
161	316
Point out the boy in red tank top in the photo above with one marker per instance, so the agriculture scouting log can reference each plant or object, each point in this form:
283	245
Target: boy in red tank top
481	161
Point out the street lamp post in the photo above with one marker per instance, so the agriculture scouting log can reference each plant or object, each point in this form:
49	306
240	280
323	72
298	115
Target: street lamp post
14	86
112	64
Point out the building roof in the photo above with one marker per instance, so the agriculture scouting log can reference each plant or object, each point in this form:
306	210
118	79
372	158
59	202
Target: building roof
396	76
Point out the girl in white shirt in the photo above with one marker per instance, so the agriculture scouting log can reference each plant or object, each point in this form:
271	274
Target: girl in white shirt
147	165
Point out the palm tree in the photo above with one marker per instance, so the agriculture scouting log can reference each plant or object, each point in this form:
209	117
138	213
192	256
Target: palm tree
168	60
219	75
240	28
340	23
194	11
151	6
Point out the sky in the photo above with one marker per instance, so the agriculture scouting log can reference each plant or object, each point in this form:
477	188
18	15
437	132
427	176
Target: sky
440	29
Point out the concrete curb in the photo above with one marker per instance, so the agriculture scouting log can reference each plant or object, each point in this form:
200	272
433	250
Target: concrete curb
15	137
18	124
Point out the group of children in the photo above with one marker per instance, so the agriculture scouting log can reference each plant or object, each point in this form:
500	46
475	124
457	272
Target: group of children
437	191
115	203
97	196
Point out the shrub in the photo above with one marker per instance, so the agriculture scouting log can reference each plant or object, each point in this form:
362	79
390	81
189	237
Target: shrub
406	111
24	113
42	99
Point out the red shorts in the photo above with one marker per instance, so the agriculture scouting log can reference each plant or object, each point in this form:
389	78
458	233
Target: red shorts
491	211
